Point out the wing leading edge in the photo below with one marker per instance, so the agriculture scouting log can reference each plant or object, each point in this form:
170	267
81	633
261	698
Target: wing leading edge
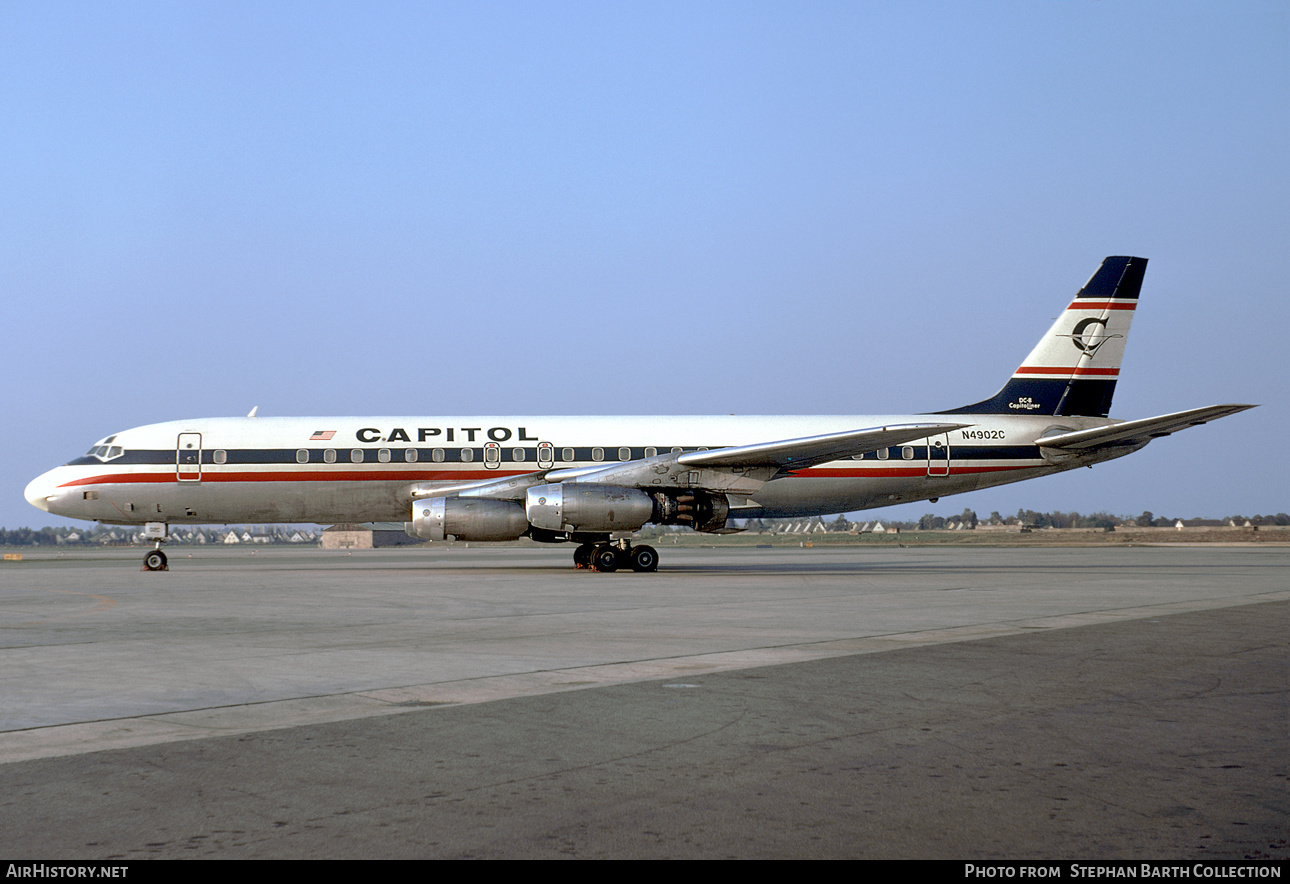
737	469
796	454
739	466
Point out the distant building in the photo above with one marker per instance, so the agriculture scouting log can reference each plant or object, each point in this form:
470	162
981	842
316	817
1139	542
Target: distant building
368	535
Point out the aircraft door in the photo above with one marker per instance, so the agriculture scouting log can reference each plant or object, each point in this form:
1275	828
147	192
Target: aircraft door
938	455
188	457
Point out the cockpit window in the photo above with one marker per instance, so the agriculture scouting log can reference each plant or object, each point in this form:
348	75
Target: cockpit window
105	452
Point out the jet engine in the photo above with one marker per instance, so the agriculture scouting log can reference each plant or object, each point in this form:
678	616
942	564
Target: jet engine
574	506
467	518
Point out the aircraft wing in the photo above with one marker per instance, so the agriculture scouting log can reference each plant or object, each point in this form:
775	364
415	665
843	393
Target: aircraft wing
740	469
743	469
811	450
1139	431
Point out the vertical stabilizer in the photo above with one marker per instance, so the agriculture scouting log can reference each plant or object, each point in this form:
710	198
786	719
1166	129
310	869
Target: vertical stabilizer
1074	367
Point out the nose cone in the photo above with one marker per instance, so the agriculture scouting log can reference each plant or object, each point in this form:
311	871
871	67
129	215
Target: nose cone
40	490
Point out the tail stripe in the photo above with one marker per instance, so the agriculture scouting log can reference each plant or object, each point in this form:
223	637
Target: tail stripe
1059	372
1103	305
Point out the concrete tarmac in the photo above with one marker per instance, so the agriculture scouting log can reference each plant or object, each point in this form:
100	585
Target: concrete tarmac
862	702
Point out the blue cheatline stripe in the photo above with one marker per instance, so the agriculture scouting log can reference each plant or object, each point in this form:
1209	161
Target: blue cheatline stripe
268	456
451	454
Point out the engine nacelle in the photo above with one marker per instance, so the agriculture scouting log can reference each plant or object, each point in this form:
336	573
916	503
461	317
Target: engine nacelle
468	518
574	506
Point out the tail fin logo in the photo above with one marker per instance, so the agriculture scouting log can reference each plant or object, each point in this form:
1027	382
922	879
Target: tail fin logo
1089	342
1079	381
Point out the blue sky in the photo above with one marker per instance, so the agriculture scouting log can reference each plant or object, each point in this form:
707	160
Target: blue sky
676	208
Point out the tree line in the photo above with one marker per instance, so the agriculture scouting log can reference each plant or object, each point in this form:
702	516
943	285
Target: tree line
1056	519
967	520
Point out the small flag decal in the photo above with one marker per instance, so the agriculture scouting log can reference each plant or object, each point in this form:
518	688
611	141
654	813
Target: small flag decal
322	436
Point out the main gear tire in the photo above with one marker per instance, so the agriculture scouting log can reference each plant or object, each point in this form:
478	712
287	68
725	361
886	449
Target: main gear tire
644	558
605	558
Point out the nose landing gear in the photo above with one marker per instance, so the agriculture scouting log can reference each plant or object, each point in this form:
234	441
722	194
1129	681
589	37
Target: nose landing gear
155	560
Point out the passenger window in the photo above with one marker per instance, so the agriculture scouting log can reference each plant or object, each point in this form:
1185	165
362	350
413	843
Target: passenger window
437	455
597	454
517	455
302	455
676	450
220	456
383	455
545	454
467	455
492	455
884	453
624	454
329	456
410	455
356	455
651	452
566	455
907	452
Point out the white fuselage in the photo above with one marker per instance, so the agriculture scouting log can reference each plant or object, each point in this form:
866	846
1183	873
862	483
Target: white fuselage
363	469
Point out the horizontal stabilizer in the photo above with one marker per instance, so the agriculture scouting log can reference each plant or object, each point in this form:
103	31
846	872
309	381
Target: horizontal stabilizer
1139	431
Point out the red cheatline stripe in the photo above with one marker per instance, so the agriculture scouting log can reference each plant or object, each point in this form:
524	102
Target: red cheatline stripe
302	476
1066	372
810	472
1077	304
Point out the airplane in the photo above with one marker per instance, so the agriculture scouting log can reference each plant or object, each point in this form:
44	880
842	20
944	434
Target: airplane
593	481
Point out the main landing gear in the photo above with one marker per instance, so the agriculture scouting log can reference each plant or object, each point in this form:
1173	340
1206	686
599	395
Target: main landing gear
612	555
155	560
